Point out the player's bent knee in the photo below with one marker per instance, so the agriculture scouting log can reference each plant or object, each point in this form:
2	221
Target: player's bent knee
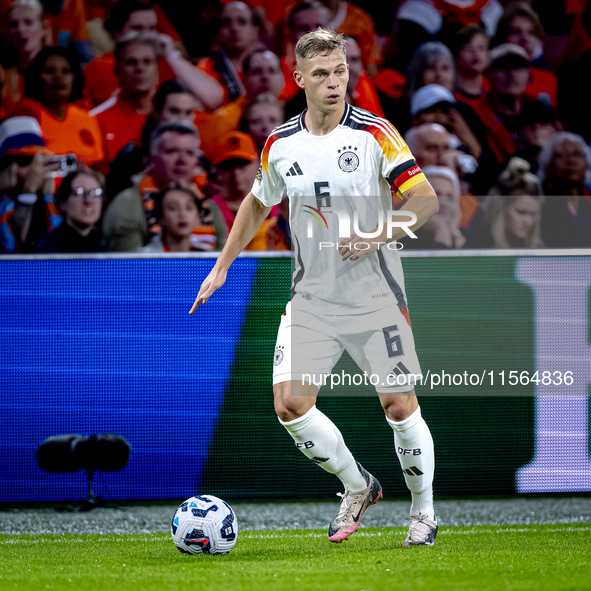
290	405
399	407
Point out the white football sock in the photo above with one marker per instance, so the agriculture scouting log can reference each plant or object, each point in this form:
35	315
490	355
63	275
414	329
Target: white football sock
414	448
319	439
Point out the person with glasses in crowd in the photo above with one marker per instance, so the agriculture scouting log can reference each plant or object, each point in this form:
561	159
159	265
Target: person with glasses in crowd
80	199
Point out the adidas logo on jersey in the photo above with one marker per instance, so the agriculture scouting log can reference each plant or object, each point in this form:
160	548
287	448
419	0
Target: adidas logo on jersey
295	170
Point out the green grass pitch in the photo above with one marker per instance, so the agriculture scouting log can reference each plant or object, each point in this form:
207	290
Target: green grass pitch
485	557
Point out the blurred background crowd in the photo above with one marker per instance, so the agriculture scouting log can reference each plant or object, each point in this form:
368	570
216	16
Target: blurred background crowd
131	125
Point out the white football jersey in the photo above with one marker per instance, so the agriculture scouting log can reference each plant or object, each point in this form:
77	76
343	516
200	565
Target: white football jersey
351	170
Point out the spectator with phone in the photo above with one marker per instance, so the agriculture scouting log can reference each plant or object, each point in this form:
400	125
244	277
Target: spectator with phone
27	206
80	199
53	84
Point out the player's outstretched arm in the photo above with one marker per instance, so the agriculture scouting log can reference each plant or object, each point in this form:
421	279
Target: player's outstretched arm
250	216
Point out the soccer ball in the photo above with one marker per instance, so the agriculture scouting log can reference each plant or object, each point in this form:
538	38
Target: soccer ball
204	525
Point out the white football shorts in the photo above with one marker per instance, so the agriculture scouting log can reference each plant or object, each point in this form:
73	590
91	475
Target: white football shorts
380	342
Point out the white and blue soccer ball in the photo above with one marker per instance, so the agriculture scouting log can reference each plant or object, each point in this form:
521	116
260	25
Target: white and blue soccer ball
204	525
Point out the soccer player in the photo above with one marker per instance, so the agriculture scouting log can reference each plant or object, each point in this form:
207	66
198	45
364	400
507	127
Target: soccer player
334	158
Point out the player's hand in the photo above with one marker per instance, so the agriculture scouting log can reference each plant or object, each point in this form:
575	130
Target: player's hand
354	247
212	282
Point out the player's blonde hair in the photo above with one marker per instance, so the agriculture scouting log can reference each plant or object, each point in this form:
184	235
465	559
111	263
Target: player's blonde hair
319	42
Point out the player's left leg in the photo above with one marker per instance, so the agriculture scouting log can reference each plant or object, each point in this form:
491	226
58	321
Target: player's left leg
383	345
414	448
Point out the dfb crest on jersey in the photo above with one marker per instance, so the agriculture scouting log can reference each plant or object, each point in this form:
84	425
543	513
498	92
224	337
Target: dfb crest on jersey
278	357
348	160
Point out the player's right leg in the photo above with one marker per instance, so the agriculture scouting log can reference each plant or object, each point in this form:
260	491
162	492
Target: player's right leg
310	345
320	440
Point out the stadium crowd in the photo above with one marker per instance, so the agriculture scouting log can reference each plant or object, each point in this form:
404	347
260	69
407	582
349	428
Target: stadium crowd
119	134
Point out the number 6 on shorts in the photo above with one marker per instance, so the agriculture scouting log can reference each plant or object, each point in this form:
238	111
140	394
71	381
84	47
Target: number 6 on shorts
393	341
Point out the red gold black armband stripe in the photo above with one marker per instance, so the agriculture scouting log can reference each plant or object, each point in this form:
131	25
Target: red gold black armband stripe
405	176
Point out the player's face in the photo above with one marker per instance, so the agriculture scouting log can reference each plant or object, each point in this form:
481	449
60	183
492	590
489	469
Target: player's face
178	107
83	206
324	79
138	68
473	57
176	158
25	29
179	214
521	216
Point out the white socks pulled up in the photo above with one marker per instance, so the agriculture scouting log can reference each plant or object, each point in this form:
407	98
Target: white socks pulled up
414	448
317	437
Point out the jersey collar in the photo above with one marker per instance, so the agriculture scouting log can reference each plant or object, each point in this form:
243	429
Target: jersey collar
343	121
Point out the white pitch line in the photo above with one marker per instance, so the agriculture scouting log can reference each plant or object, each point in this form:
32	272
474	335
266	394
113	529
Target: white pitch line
248	535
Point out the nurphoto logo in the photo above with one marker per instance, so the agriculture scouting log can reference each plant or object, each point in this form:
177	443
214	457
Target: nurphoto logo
391	219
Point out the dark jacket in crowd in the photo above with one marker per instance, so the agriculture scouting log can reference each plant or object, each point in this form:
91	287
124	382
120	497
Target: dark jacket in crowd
562	229
66	239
